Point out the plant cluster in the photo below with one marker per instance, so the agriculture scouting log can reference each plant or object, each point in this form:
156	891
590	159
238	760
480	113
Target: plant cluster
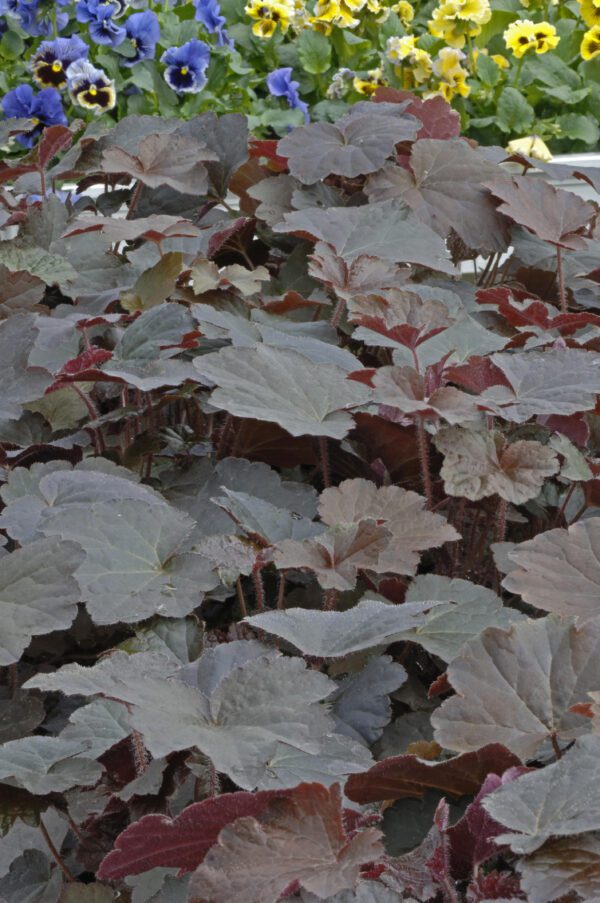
300	577
512	68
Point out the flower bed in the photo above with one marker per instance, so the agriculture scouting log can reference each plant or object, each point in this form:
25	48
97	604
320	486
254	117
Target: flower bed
512	69
299	592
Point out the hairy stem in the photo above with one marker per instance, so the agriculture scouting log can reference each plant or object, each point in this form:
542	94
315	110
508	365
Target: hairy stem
501	520
324	456
140	755
330	599
423	447
281	591
241	598
259	589
560	275
55	854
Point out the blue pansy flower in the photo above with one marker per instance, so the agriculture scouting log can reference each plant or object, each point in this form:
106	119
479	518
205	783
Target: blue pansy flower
45	108
143	31
90	88
186	66
208	12
100	16
281	84
35	17
52	59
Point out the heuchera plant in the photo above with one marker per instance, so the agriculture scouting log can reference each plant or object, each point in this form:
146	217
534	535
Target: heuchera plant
515	70
300	577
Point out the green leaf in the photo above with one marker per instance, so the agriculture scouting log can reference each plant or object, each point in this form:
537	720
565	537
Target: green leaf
513	112
155	285
500	19
577	127
488	71
52	269
314	50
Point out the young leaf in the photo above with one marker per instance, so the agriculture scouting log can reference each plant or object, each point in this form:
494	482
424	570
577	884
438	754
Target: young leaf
515	687
301	838
404	390
413	528
478	464
336	556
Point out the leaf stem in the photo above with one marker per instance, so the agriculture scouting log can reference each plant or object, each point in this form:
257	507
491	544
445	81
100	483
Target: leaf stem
337	314
259	589
501	520
423	446
281	591
134	199
140	756
330	599
55	854
324	456
560	275
555	746
241	598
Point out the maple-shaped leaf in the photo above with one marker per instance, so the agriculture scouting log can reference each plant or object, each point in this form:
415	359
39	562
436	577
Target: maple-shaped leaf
554	215
404	390
560	800
468	610
181	842
445	187
334	634
361	705
238	704
155	227
298	839
364	274
401	777
559	570
355	145
336	555
282	386
516	687
562	867
165	159
479	464
527	313
556	381
437	118
137	562
398	317
38	593
389	230
44	764
413	528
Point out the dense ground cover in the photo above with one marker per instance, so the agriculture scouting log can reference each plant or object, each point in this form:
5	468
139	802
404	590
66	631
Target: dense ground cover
512	68
299	591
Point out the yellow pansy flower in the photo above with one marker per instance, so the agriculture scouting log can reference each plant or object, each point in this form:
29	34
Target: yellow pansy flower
500	60
519	36
532	146
269	14
590	12
405	11
369	84
453	78
453	31
545	37
404	50
332	12
478	11
590	44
